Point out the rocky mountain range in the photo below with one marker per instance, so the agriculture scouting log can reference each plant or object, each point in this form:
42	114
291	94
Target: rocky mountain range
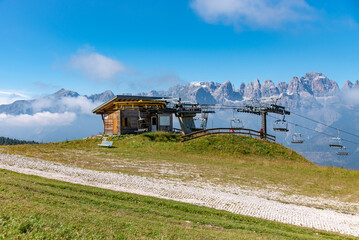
300	92
312	84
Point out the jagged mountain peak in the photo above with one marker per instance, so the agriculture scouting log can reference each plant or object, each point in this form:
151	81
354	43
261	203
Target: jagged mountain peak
108	92
257	84
225	92
314	75
295	79
268	83
299	86
101	97
282	87
210	85
321	85
243	85
227	85
348	85
253	90
313	83
268	89
65	93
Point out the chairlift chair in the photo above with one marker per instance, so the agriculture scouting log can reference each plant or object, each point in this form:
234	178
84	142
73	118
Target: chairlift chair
236	122
336	142
281	125
297	137
343	151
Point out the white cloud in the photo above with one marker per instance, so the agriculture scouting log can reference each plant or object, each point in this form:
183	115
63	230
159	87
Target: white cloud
78	105
351	97
41	104
40	119
95	65
270	14
7	97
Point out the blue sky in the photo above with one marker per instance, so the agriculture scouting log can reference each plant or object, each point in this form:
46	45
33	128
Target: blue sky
134	46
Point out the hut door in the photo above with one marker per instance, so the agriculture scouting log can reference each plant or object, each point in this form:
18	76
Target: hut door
153	124
115	126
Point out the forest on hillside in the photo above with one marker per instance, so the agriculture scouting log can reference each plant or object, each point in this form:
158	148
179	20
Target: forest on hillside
11	141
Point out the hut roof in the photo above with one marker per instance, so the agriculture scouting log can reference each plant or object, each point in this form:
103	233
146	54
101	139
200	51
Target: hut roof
110	106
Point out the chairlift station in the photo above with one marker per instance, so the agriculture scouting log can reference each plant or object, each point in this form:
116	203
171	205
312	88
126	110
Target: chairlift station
127	114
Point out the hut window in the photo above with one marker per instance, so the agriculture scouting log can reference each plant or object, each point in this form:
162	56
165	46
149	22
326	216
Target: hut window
125	122
165	121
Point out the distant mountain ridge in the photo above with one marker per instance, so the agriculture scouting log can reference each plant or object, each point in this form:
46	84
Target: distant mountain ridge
311	85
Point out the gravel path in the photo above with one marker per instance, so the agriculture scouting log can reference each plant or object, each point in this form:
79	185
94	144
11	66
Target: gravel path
238	201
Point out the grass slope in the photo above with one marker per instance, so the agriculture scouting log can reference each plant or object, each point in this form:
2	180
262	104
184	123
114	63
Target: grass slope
37	208
233	160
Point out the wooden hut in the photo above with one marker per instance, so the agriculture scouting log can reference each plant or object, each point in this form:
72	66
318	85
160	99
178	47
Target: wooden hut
125	114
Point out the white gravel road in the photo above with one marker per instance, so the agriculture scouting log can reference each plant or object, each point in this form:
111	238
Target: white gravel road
235	200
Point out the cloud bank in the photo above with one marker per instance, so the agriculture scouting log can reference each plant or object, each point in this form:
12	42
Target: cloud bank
49	111
51	118
95	65
78	105
254	14
351	97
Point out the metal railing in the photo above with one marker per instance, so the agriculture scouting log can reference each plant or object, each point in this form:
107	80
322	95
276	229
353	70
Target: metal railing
235	131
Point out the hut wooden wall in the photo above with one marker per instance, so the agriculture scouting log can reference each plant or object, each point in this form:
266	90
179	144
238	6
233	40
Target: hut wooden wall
127	122
131	124
108	123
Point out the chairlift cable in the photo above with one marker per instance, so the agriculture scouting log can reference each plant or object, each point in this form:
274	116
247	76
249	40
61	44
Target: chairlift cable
329	135
343	131
325	124
219	106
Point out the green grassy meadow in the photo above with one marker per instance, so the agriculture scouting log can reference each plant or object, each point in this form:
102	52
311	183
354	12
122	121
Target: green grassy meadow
37	208
229	160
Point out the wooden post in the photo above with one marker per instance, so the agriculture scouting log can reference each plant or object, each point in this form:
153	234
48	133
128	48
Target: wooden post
264	125
115	130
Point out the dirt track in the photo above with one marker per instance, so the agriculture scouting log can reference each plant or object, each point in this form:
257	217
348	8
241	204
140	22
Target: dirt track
250	203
